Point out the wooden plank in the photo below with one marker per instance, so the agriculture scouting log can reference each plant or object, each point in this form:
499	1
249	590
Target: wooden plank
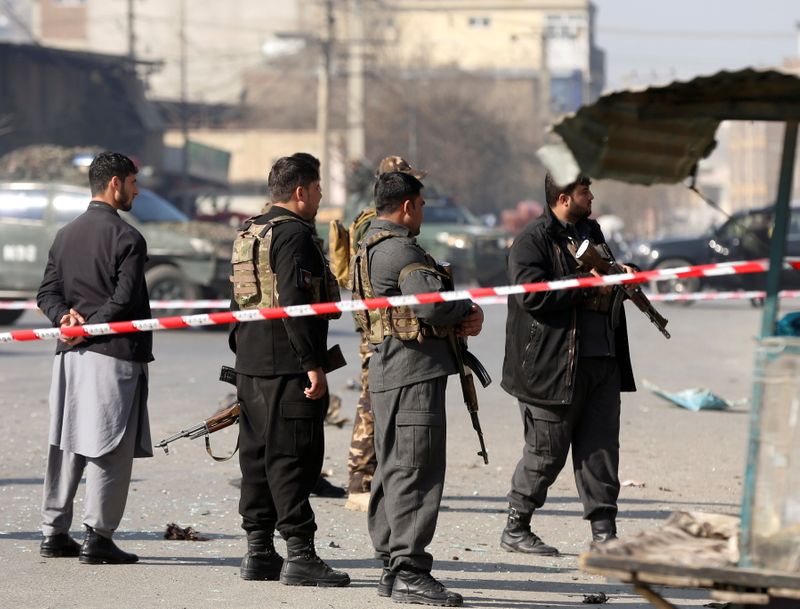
685	581
748	578
653	598
784	593
744	598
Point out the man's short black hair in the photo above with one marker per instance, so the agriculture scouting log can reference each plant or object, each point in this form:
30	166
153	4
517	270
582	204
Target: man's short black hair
553	190
392	188
107	165
287	174
308	158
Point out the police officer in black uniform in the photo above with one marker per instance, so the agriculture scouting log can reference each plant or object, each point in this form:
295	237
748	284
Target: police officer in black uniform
566	361
281	381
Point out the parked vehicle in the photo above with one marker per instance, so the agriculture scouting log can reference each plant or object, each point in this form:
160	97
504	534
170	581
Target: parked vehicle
744	236
186	259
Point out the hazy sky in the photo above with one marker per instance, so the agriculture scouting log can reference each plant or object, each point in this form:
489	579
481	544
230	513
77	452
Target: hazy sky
649	41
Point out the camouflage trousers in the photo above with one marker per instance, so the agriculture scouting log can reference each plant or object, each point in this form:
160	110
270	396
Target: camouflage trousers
361	461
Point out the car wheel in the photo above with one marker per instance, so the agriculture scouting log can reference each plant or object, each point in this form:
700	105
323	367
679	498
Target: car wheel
676	286
169	283
9	316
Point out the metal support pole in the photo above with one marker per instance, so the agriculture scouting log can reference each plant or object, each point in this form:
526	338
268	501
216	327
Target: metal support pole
184	113
779	230
131	31
777	251
324	99
356	147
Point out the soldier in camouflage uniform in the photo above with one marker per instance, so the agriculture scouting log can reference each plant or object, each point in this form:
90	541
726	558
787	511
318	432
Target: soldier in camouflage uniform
361	462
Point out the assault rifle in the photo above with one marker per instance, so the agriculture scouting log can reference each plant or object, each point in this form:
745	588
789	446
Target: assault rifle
219	420
468	364
591	259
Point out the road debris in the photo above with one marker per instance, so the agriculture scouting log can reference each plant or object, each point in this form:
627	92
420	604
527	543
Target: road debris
176	532
693	399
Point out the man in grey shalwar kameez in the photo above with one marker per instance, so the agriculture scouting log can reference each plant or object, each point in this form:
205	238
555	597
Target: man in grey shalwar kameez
98	397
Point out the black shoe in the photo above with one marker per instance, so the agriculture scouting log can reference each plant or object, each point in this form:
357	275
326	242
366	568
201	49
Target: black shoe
303	567
262	562
98	550
386	582
59	546
518	537
422	588
323	488
603	531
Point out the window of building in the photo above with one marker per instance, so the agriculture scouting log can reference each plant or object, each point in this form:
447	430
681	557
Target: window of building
480	22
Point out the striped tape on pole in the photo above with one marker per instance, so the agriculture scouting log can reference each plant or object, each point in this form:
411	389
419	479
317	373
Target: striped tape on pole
345	306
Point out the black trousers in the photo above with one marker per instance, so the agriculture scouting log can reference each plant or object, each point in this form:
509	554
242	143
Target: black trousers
281	447
590	425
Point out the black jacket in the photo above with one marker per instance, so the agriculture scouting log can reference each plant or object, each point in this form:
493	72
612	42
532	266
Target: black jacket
296	344
96	266
542	327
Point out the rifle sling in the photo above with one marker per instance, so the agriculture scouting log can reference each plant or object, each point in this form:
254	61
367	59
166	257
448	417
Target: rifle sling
213	456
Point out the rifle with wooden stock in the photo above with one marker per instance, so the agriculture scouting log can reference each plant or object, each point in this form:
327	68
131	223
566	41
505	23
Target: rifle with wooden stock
592	259
219	420
468	364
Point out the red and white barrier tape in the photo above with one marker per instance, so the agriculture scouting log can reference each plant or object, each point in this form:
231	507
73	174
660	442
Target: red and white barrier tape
30	305
677	296
226	317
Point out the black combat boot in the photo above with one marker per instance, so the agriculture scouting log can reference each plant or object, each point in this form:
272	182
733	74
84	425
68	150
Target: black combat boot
420	587
97	550
59	546
603	530
303	567
386	582
262	562
518	537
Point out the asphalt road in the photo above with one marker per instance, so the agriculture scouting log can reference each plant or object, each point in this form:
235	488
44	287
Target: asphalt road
684	461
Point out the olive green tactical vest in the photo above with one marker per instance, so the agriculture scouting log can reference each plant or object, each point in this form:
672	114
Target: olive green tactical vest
400	322
254	283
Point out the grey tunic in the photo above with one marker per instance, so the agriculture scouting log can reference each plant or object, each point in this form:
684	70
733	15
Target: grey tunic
91	397
407	390
398	363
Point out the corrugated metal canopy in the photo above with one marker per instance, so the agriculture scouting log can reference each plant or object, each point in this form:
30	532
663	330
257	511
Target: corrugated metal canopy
659	134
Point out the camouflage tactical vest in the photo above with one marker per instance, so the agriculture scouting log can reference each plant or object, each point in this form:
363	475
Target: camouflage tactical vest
400	322
254	283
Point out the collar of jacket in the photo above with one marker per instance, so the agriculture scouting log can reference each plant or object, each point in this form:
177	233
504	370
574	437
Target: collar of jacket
278	210
102	206
392	227
554	227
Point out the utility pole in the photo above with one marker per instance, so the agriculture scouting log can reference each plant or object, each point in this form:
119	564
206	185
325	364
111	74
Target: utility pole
544	80
131	32
184	112
324	98
356	144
